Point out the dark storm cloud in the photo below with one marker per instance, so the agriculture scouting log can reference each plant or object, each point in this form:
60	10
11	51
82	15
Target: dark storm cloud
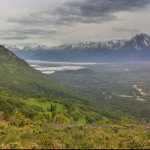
96	11
82	11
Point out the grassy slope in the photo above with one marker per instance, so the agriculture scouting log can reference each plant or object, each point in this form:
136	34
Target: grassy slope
19	82
21	132
16	76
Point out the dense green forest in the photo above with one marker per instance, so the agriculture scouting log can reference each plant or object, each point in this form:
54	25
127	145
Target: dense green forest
38	112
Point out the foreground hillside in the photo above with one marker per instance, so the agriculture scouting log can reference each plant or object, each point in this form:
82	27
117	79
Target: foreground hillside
18	77
41	123
20	132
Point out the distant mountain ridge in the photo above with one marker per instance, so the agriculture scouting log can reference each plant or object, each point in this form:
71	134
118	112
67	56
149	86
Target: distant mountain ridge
81	45
139	46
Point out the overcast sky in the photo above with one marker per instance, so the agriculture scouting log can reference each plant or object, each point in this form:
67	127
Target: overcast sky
53	22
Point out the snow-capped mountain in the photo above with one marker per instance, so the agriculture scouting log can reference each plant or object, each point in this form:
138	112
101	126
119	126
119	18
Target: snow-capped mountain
113	45
12	48
137	47
34	47
81	45
139	42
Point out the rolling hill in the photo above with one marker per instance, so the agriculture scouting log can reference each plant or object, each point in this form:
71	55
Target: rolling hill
18	77
29	91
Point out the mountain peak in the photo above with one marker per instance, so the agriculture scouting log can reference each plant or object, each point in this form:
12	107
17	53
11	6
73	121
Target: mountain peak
11	47
142	36
139	42
35	47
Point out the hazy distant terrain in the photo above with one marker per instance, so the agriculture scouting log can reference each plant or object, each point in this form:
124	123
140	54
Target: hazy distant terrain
119	87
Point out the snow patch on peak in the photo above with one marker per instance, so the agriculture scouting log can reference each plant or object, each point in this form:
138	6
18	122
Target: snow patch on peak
12	48
140	41
35	47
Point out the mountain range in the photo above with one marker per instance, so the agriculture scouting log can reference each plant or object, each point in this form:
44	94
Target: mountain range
136	48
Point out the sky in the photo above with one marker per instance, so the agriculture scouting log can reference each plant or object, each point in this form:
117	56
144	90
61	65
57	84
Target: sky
54	22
